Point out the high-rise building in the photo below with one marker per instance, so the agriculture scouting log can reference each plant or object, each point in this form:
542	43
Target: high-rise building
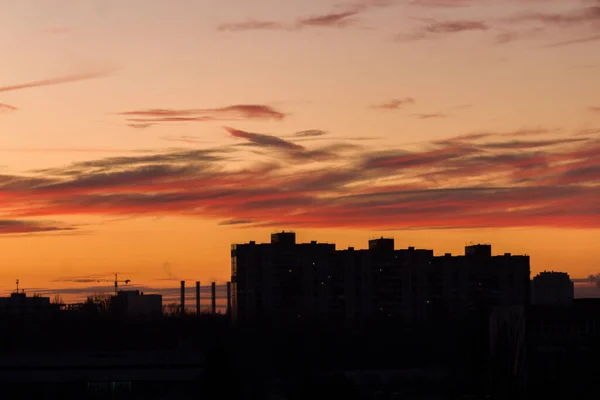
284	280
280	280
552	288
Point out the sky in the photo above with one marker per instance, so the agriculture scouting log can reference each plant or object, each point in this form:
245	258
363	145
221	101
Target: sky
146	137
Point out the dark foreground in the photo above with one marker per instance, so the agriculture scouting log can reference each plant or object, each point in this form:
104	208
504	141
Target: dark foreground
488	356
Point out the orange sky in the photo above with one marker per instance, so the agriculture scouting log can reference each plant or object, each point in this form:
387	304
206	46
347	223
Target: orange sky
146	137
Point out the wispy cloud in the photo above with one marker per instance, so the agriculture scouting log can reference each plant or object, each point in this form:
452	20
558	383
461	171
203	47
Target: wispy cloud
58	80
97	150
478	179
445	3
237	221
341	19
6	108
141	125
442	28
185	139
514	35
263	140
469	3
12	226
310	133
430	116
581	40
569	18
148	117
251	25
394	104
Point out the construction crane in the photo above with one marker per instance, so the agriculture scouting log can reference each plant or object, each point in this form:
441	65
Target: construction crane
116	282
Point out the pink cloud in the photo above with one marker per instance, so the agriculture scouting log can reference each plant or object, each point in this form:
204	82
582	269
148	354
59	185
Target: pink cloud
6	108
141	118
442	28
330	20
430	116
341	19
395	104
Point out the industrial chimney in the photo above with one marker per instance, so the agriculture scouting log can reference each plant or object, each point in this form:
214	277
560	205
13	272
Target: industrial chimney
182	297
197	298
213	294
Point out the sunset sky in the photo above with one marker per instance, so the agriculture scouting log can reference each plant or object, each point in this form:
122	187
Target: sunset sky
146	136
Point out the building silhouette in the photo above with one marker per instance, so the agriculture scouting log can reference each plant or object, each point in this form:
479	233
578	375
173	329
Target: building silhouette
134	304
19	304
280	280
284	280
552	288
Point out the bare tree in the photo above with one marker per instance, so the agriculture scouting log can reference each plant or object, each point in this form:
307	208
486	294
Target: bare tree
97	303
57	299
172	309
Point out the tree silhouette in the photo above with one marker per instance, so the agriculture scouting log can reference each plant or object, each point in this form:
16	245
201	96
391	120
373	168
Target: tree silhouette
172	309
96	304
57	299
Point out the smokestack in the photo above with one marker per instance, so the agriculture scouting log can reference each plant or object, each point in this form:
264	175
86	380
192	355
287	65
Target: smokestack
229	299
213	294
182	297
197	298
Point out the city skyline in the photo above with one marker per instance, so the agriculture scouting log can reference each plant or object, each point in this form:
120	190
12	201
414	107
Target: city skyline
145	138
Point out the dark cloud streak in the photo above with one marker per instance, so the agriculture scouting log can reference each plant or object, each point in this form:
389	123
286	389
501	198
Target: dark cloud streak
59	80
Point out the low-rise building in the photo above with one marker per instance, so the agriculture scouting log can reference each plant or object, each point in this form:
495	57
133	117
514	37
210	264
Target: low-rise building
19	304
552	288
135	304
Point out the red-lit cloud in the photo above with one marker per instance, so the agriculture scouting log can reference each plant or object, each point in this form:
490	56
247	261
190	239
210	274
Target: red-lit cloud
473	180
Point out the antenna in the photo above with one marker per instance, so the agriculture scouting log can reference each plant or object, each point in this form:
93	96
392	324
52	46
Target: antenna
17	286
